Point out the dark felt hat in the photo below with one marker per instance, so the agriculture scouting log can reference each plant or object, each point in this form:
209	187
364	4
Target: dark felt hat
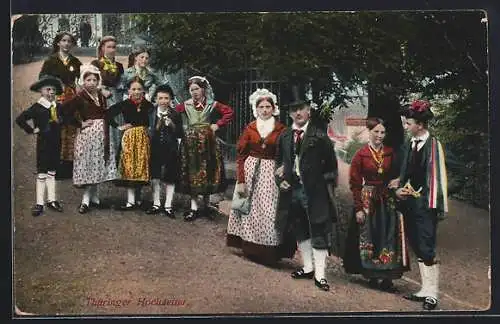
46	80
297	99
164	88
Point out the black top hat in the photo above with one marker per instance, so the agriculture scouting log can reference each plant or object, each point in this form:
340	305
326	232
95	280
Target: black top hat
420	110
46	80
297	99
164	88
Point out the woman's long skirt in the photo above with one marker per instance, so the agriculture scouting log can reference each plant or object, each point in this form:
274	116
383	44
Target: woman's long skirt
256	232
377	248
89	165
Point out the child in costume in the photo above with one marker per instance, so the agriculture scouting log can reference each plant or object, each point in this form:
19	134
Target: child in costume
46	116
165	132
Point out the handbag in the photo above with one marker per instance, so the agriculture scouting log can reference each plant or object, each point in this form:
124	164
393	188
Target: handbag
241	204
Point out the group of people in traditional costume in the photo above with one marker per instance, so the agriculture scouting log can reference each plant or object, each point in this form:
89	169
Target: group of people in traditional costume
122	125
107	123
290	175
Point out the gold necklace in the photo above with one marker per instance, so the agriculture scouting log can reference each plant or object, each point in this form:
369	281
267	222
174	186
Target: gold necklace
378	157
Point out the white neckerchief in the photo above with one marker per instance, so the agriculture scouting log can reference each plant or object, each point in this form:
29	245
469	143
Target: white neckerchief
44	102
161	113
423	138
265	127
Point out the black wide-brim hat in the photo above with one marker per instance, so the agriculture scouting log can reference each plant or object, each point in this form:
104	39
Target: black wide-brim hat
46	80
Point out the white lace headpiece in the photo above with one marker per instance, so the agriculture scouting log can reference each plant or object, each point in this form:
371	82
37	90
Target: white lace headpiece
260	93
89	68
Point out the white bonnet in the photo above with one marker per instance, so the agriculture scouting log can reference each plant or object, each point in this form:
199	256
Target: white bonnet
259	93
89	68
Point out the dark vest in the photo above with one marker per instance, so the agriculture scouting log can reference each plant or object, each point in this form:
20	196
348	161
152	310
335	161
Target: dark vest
416	170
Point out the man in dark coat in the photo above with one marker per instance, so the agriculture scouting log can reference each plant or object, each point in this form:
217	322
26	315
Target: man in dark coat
85	32
307	175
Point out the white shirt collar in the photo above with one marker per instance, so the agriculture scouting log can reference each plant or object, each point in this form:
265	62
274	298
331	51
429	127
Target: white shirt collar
422	138
304	128
44	102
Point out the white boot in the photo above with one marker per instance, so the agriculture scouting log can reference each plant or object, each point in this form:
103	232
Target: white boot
431	299
424	270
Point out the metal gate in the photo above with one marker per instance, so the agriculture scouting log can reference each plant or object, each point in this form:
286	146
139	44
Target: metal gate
238	100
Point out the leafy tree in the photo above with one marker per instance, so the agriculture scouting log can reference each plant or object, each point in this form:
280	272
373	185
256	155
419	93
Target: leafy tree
392	54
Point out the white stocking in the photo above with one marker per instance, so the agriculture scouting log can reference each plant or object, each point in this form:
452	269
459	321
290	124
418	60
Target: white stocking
319	263
156	192
306	252
130	196
170	189
51	186
194	204
40	188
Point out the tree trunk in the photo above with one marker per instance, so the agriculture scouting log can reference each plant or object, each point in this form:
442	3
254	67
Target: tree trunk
387	107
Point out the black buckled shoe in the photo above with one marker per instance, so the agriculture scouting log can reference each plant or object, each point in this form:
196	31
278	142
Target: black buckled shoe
155	209
37	210
301	274
83	209
169	212
55	205
191	215
322	284
430	303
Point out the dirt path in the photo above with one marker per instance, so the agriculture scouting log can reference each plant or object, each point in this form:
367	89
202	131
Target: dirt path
108	262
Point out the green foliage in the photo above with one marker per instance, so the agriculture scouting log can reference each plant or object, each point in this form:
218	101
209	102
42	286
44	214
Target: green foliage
436	54
351	148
